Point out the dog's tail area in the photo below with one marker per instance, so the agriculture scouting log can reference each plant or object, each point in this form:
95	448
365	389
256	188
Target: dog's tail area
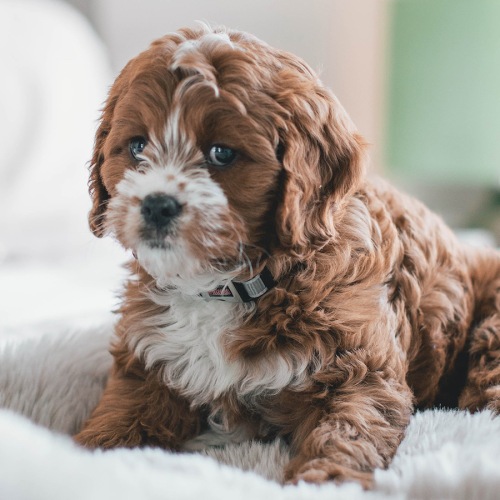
482	389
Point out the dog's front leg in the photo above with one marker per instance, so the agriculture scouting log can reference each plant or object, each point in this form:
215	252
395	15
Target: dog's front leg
360	429
138	410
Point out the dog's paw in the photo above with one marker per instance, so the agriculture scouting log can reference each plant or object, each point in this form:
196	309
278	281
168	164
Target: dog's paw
95	438
321	470
311	476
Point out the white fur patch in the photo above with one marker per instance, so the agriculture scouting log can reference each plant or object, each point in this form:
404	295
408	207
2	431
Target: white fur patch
170	267
206	43
189	342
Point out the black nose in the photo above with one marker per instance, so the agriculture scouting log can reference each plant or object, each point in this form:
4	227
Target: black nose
158	210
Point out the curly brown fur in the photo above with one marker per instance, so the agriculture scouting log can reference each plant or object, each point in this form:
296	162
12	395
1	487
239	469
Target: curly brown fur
377	308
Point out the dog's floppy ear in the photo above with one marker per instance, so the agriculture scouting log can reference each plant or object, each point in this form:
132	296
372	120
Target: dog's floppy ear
322	158
97	190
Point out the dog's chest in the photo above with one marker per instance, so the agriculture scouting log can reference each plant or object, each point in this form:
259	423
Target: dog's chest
189	342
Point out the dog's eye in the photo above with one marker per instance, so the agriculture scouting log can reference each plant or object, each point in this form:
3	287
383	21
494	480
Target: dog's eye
220	156
136	146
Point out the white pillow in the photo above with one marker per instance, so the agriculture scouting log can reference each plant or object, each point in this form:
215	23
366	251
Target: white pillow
55	74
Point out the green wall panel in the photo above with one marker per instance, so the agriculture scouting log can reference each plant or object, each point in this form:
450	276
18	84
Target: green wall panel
444	91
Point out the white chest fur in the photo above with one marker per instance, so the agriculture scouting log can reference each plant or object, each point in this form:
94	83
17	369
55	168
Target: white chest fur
188	341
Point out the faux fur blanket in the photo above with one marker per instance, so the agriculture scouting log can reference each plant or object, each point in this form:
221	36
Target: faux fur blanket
50	382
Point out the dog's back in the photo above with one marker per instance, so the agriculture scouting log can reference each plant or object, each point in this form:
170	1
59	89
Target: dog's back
450	295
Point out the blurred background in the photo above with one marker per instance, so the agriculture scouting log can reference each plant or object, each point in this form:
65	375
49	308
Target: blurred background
420	79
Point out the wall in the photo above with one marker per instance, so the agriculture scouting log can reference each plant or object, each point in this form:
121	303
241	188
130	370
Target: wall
444	100
342	39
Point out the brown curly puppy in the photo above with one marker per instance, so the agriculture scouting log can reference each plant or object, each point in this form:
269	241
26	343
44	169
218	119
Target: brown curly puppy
275	291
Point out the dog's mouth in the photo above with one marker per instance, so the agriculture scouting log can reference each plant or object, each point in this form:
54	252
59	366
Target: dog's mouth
157	240
187	253
165	260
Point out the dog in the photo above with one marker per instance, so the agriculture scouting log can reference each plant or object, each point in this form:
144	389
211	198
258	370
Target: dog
276	290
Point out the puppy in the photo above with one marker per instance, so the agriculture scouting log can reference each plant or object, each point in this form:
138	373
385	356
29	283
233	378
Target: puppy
275	291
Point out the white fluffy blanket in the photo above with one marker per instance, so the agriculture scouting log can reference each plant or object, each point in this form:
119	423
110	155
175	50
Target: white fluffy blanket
54	379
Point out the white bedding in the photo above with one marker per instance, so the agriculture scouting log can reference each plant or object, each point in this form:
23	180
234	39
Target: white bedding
58	284
54	379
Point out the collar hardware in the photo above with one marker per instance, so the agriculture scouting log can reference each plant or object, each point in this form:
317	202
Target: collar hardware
242	291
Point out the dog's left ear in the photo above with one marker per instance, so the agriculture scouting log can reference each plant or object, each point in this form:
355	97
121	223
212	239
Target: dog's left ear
323	160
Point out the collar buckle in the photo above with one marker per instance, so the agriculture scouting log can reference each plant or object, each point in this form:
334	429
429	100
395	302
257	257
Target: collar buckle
243	291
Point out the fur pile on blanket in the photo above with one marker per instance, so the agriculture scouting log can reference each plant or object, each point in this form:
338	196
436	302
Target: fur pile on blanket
50	382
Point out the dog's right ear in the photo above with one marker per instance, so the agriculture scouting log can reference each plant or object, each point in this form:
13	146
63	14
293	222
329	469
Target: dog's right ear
97	191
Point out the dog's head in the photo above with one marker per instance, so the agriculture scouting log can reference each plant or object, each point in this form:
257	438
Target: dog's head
215	149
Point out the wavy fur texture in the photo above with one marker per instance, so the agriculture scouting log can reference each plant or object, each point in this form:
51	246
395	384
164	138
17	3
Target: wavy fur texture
378	310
